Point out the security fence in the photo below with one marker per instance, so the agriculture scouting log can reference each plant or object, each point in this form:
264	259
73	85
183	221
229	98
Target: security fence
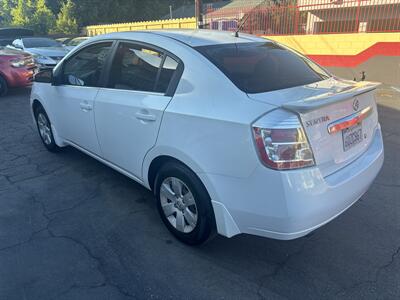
308	17
287	17
148	25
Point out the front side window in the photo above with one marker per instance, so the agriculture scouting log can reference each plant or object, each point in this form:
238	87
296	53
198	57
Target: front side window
140	68
263	67
86	67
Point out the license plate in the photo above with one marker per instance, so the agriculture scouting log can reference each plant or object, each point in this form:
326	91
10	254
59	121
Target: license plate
352	136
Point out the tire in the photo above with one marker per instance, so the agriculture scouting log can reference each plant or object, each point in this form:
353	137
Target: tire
43	125
193	204
3	87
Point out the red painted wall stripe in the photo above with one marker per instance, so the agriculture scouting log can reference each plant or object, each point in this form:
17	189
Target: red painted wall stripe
381	48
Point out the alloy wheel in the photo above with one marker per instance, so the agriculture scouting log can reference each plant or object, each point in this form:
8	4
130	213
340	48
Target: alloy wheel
178	204
44	128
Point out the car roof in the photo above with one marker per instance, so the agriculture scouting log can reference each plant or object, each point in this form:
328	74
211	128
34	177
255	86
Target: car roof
191	37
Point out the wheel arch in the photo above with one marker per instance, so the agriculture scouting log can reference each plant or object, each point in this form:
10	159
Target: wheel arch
6	80
157	162
161	154
4	77
35	104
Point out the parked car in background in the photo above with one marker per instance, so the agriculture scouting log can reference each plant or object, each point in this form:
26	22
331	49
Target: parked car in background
237	134
63	40
45	51
16	32
16	69
8	35
72	43
4	41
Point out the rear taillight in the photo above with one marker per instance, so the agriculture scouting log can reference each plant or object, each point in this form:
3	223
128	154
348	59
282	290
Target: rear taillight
283	145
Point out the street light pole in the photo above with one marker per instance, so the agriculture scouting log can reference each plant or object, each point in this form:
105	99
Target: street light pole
198	12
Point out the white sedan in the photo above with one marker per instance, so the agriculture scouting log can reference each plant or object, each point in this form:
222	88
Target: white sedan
233	134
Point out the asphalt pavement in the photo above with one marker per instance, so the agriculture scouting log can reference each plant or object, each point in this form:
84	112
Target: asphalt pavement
72	228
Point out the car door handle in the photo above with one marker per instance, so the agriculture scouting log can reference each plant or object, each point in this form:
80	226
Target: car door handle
145	117
86	106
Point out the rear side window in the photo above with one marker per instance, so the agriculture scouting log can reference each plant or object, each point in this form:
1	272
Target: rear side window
135	68
141	68
263	67
167	72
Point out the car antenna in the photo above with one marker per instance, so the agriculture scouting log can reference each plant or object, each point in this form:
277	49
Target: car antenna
240	26
244	19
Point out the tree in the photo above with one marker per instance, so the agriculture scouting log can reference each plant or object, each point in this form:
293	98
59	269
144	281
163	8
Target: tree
55	5
92	12
43	19
40	14
5	12
22	13
66	22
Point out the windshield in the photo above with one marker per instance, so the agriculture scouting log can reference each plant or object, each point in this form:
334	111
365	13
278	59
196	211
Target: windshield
263	67
40	43
5	42
76	42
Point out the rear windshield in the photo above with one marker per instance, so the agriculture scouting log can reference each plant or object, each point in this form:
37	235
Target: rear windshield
263	67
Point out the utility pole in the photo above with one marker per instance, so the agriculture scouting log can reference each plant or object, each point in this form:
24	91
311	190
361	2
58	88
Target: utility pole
198	12
170	12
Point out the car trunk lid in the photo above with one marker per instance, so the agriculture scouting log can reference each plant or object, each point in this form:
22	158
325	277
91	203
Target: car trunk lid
338	116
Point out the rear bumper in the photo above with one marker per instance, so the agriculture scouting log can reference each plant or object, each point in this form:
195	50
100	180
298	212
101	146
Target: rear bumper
290	204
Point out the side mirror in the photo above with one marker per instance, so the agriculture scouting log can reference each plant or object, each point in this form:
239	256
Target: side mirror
45	76
58	78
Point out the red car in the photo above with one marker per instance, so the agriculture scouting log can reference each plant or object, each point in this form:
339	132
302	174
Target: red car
16	69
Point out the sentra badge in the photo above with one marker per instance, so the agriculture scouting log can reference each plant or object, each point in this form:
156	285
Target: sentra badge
317	121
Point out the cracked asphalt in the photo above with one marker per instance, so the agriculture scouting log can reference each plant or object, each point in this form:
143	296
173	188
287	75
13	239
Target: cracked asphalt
72	228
